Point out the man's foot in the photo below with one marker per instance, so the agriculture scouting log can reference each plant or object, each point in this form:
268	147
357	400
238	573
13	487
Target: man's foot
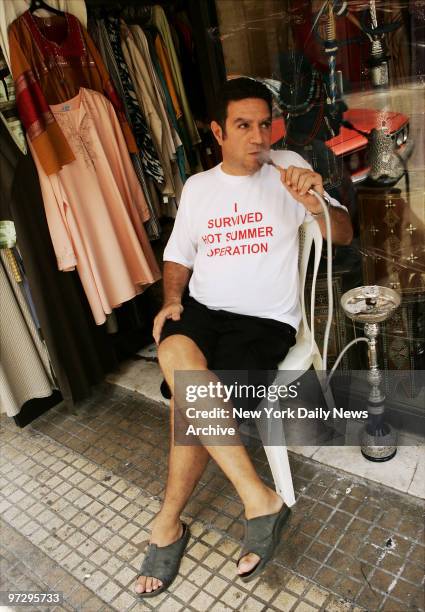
164	532
273	503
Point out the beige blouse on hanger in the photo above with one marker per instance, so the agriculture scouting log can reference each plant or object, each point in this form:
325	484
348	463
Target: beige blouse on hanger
95	207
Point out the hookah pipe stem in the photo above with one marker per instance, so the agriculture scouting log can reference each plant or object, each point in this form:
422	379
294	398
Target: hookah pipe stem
378	61
331	49
373	15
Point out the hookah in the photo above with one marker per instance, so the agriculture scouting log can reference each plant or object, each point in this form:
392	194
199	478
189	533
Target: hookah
370	305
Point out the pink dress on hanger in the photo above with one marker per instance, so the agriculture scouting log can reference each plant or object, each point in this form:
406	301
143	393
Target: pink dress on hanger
95	207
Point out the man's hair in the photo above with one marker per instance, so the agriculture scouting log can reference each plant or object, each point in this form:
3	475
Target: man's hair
239	89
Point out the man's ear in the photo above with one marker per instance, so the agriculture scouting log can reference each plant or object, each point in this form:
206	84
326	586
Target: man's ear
217	131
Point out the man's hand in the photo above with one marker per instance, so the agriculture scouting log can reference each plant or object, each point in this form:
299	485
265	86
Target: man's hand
298	181
172	310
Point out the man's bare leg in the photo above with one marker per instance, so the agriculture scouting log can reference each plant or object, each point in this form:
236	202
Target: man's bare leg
181	482
257	498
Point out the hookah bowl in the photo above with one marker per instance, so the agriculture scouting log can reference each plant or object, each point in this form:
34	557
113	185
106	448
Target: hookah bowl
371	305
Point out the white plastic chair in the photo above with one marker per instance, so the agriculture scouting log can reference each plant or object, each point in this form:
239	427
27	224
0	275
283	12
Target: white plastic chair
299	359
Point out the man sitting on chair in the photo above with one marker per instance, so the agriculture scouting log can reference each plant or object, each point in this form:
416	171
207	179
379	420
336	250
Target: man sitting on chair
235	245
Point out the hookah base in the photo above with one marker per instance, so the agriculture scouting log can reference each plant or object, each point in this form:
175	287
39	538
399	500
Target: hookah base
369	455
380	443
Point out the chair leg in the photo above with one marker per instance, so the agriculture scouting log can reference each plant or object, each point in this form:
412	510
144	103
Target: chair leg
277	456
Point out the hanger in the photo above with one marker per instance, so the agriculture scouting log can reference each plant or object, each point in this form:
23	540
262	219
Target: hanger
40	4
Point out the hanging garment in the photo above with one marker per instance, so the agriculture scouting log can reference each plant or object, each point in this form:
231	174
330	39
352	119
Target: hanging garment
159	20
142	45
143	161
8	110
24	369
18	266
158	82
153	225
163	60
166	71
93	207
161	68
12	256
191	71
80	351
12	9
51	59
176	146
152	104
149	155
166	112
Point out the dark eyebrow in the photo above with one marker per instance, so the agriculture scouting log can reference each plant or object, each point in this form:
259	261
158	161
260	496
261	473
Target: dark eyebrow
268	118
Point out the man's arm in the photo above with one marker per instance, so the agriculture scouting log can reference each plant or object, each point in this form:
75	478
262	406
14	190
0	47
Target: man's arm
298	181
341	228
175	279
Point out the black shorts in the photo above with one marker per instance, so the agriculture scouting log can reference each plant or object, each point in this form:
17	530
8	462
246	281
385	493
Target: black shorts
232	341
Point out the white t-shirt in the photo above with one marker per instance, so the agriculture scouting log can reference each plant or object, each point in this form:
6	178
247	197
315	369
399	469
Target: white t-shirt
239	235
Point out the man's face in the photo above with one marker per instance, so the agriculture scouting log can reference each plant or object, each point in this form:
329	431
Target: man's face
248	133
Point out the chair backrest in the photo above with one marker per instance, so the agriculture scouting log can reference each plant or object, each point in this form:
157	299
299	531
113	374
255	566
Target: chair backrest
309	235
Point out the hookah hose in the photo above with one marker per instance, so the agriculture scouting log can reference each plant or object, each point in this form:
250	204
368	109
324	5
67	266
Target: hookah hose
328	278
322	202
266	159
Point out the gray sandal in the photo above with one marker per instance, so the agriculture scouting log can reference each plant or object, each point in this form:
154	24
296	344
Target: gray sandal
262	536
163	562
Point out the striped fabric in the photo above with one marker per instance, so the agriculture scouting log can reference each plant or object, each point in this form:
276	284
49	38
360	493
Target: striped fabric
25	367
100	35
153	226
144	141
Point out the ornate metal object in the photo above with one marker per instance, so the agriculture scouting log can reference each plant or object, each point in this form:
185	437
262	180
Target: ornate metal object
372	305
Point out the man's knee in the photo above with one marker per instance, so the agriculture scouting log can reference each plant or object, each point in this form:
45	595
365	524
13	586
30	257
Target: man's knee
179	352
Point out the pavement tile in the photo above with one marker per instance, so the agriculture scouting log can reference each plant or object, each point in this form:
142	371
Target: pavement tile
216	586
296	585
304	607
123	601
233	597
316	596
214	560
170	605
197	574
109	591
411	595
125	576
88	523
284	601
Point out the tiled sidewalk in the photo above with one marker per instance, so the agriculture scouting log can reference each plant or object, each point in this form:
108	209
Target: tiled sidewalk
404	473
80	487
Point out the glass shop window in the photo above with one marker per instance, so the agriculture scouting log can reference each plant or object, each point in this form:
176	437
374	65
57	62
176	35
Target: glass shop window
348	80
